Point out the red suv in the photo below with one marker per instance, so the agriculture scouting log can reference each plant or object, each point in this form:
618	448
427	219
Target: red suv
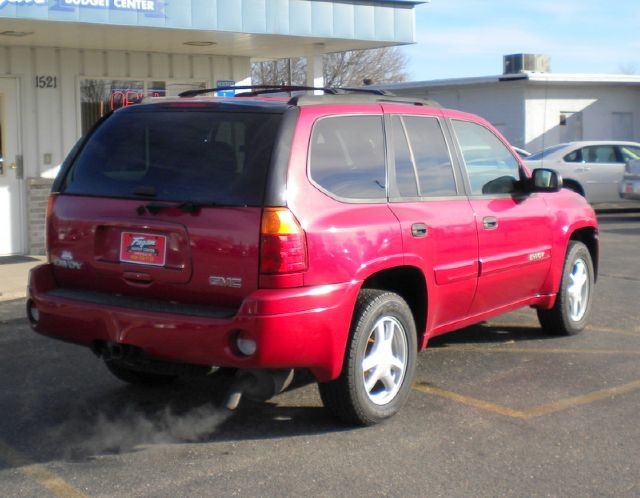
335	233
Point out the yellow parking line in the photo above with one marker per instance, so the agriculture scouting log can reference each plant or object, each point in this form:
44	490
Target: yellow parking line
538	411
616	331
38	473
467	400
500	349
585	399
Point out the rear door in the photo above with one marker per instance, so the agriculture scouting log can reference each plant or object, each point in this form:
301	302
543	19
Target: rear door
437	222
514	230
599	169
165	202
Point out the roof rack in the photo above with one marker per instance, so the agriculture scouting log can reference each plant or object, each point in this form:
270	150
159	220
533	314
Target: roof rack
387	98
330	94
255	90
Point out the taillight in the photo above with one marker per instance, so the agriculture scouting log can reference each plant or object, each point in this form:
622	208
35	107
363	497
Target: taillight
50	203
283	246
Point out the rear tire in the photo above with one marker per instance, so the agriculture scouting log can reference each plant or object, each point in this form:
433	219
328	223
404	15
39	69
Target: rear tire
379	361
571	310
138	377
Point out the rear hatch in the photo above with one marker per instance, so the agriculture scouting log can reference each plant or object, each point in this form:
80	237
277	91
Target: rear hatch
164	202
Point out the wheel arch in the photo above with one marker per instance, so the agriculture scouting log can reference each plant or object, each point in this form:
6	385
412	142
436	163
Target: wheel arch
410	284
589	237
574	185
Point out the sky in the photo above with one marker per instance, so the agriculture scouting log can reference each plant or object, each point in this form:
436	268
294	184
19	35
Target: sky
460	38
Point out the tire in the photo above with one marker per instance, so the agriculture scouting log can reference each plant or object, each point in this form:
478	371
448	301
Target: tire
379	361
138	377
571	310
574	187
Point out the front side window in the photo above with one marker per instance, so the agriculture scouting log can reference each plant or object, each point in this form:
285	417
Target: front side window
629	152
490	165
347	157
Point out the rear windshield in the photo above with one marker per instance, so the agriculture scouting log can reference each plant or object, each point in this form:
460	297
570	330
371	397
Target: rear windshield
544	153
183	155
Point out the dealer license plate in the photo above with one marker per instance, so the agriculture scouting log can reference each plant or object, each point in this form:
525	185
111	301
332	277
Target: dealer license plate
143	248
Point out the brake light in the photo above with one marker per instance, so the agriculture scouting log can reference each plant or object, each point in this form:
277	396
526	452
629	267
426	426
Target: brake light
48	228
283	246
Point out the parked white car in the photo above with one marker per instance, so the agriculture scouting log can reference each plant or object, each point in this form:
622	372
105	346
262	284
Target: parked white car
593	169
630	185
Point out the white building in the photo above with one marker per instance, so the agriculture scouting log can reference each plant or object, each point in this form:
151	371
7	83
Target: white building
535	110
64	63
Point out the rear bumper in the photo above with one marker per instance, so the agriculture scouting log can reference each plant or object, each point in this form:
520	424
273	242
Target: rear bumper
293	328
630	188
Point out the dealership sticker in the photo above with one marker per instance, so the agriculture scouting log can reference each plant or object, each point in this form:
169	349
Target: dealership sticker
143	248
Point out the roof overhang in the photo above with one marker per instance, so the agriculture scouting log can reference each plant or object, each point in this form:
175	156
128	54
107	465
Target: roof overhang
268	30
519	78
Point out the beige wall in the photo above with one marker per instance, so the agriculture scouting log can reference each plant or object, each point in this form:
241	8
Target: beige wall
50	121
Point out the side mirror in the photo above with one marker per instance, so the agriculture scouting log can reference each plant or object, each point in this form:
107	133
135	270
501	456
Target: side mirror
545	180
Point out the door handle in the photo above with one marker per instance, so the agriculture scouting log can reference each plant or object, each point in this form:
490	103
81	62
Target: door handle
419	230
18	167
489	223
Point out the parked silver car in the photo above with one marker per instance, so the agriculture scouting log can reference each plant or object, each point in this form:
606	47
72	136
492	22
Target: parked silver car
630	185
593	169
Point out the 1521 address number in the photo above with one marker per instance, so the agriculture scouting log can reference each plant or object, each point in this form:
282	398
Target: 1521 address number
46	81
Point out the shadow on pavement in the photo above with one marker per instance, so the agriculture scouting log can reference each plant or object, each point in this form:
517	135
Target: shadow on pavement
483	333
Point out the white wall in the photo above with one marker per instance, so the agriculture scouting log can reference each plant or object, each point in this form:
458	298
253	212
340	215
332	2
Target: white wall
499	103
597	103
51	116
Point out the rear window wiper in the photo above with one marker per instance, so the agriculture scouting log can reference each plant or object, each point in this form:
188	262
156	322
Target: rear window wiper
186	207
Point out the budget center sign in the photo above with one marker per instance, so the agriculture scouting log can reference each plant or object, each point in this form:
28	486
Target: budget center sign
152	7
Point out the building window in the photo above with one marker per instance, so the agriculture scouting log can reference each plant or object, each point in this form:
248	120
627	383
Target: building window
100	96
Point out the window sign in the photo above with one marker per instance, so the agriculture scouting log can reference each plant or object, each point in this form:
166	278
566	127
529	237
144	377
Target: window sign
225	93
98	97
153	8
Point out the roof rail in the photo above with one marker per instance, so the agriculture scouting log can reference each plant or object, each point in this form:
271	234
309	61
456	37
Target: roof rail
255	90
388	98
331	94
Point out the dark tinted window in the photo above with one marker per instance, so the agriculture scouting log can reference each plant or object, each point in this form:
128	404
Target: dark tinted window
431	154
491	166
347	156
599	154
181	155
405	171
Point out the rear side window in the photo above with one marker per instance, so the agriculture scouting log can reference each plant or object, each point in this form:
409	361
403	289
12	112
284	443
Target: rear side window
347	157
183	155
491	166
431	155
599	154
405	170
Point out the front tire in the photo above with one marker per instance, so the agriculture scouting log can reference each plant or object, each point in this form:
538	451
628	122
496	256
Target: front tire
379	361
571	311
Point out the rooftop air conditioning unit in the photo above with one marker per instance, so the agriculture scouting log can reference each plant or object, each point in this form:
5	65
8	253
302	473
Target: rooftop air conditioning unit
526	63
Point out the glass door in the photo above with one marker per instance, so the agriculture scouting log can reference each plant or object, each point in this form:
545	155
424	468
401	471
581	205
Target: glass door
12	219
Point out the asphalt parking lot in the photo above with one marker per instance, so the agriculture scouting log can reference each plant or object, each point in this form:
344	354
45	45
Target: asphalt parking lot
497	409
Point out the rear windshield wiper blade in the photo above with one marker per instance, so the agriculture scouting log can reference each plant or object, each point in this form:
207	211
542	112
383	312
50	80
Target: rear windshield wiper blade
186	207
